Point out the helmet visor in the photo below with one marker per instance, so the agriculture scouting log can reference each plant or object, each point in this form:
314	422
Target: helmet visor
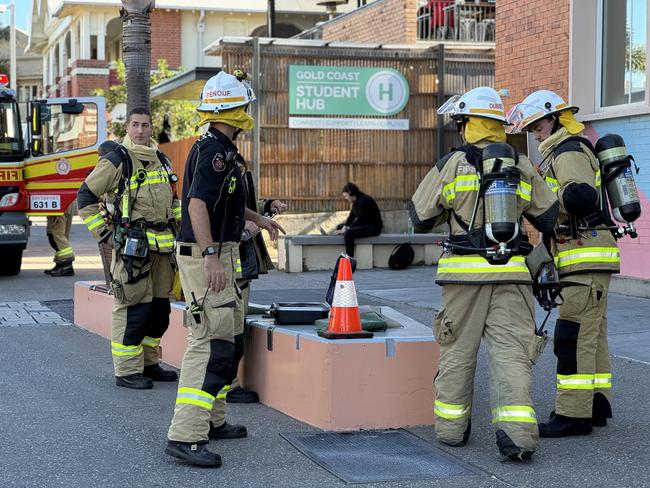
522	115
450	106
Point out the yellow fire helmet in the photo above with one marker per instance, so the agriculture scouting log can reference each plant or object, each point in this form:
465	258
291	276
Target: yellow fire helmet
534	107
480	102
225	91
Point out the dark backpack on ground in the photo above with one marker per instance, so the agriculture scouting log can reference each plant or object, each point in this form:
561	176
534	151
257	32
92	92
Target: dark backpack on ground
402	256
329	296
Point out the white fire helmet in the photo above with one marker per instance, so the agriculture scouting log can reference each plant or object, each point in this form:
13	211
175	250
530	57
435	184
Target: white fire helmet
225	91
480	102
534	107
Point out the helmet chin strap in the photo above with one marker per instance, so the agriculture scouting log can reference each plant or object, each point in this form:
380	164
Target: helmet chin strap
556	124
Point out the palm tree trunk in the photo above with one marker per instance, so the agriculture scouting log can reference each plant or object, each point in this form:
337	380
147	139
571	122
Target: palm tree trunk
136	51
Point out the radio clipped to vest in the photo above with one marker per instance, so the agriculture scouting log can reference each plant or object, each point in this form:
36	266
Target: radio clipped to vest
618	183
500	237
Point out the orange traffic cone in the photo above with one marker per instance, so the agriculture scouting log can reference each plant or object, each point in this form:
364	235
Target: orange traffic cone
345	321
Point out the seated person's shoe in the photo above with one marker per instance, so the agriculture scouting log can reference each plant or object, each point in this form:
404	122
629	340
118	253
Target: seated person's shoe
227	431
196	454
134	381
156	373
239	395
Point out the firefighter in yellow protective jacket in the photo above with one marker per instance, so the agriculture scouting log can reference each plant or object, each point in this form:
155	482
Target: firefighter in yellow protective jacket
486	284
214	211
585	261
138	179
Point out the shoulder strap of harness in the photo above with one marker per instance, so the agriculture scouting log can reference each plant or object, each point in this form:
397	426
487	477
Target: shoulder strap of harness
573	144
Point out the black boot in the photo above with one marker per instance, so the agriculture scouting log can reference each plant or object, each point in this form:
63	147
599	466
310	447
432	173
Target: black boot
196	454
49	271
134	381
509	450
227	431
562	426
601	411
239	395
64	269
156	373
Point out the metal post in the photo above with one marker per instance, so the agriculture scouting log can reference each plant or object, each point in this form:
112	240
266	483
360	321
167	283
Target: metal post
12	79
257	112
270	18
440	126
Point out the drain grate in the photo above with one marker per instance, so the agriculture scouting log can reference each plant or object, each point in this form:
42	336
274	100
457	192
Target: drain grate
375	456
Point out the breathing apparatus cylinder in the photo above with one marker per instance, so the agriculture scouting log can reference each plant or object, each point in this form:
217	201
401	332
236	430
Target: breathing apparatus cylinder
618	178
501	179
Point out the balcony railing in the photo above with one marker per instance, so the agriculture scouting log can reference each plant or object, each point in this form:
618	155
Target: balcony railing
456	20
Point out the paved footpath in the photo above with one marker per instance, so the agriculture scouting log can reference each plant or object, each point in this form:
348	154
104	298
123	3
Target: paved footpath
64	423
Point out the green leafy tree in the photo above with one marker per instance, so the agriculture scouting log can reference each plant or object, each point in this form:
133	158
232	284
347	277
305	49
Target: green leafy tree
182	114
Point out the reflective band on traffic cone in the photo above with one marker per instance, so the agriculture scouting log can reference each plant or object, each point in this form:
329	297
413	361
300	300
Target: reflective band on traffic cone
345	321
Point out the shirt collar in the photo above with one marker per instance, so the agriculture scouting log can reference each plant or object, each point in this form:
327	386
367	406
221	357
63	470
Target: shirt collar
222	138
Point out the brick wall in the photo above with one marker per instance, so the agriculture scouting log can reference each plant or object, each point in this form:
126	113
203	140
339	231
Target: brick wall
383	21
532	47
166	37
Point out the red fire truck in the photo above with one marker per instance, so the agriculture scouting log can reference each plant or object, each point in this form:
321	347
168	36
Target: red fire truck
43	164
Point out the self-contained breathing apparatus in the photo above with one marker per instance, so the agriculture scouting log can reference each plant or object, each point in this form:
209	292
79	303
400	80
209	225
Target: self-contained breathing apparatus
499	179
618	190
130	239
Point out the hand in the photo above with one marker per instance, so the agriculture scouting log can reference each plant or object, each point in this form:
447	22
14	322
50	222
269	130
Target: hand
271	226
214	272
340	231
278	206
252	228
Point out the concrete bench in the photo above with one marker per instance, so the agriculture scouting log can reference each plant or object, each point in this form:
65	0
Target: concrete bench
316	252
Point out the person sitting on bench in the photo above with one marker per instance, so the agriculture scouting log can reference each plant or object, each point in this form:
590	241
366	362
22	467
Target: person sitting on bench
364	219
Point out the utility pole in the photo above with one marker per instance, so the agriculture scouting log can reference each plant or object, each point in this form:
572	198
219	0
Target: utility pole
270	19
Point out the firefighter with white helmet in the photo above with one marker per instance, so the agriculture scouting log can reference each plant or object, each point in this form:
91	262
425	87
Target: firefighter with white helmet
483	190
214	211
585	258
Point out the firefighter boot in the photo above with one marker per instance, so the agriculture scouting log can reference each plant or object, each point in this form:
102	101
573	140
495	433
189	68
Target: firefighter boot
509	450
156	373
196	454
227	431
51	270
63	269
561	426
602	410
134	381
240	395
461	443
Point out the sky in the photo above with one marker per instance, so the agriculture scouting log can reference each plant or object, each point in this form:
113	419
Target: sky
23	8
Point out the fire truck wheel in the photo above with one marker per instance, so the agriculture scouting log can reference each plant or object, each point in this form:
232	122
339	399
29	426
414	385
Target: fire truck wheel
12	259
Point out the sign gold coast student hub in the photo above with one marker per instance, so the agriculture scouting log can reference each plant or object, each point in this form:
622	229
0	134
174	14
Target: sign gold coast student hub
368	94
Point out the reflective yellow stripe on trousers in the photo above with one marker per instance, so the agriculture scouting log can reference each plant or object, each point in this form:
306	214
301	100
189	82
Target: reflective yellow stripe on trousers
451	410
575	381
194	396
473	264
65	252
151	341
588	255
514	413
121	350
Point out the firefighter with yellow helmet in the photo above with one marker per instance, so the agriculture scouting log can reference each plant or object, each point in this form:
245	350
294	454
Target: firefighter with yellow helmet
214	211
137	178
586	257
483	190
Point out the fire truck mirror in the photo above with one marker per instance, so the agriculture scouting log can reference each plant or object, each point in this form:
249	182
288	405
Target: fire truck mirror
73	107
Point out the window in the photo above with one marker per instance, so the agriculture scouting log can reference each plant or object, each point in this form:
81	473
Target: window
623	60
66	132
10	137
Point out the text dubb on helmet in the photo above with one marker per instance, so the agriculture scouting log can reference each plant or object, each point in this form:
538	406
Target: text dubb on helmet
480	102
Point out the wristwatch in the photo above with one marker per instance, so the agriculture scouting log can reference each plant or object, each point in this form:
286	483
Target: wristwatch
209	251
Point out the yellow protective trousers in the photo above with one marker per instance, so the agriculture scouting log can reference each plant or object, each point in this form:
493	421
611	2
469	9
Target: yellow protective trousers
58	234
140	313
503	316
207	369
580	345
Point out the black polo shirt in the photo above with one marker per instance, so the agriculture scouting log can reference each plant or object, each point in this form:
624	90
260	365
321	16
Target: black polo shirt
212	175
